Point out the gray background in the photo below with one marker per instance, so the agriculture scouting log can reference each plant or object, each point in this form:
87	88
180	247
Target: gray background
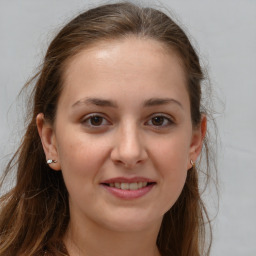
224	32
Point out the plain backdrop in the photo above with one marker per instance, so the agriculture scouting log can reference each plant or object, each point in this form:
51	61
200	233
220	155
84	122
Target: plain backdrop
224	33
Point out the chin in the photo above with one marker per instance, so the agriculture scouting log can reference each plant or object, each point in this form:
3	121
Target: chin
132	222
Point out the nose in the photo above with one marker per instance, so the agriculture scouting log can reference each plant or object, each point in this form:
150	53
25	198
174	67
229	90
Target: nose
129	149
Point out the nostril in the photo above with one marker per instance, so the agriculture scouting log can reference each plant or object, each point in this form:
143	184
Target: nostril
119	162
128	154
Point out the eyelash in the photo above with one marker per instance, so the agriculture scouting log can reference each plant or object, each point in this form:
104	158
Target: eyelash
168	121
87	121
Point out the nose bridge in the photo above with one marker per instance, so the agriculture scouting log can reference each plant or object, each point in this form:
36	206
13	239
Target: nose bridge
130	139
129	149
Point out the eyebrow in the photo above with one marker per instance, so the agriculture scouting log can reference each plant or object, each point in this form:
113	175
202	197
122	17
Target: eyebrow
161	101
108	103
95	101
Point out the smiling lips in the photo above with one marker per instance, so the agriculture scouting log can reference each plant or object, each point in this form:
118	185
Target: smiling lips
128	188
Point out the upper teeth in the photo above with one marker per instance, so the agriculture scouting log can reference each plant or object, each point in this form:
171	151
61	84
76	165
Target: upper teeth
129	186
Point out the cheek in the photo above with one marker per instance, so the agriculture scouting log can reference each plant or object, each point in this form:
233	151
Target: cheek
80	156
81	162
170	160
172	164
172	152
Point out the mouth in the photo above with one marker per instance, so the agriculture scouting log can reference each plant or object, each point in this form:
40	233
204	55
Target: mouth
129	186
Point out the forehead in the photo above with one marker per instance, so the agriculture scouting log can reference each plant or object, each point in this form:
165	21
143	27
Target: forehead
128	64
130	52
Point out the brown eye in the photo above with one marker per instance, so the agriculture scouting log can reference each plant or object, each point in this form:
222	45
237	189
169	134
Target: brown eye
158	120
96	120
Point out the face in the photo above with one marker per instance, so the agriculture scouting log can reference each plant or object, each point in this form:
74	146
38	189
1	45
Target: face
123	136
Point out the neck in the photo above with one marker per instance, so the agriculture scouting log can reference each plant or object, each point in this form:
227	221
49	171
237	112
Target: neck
87	238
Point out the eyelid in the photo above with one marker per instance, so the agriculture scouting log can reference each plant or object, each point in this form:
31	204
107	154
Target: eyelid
169	118
162	114
87	118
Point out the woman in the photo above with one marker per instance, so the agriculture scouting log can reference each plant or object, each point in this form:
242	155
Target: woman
107	164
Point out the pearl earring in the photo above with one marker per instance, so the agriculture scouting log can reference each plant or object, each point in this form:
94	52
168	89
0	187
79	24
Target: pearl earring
50	161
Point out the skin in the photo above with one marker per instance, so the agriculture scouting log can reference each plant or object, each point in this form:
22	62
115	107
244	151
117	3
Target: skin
126	140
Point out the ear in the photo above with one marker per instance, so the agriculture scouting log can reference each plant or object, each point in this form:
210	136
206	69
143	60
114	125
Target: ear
198	136
48	140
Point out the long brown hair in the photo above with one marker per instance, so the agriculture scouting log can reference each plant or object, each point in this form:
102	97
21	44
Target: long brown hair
35	212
